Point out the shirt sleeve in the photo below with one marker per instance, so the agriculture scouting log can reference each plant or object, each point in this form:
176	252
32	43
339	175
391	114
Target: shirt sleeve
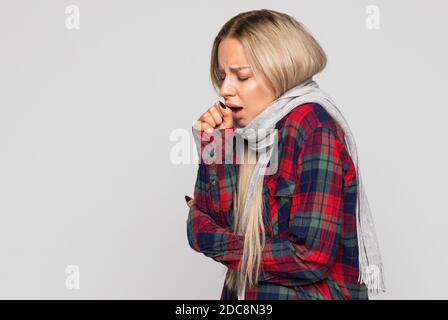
308	253
217	174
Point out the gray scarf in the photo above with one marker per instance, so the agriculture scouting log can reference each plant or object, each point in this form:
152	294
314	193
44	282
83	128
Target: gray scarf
371	267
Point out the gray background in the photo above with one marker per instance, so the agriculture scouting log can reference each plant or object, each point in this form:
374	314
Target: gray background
86	176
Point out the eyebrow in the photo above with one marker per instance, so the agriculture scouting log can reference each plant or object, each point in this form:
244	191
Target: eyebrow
236	68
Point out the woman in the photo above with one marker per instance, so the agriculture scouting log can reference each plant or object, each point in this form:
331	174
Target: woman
291	233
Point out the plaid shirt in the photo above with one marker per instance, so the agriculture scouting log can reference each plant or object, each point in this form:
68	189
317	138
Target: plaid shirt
311	249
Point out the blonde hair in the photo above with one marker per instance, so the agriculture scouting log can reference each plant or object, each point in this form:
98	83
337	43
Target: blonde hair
283	50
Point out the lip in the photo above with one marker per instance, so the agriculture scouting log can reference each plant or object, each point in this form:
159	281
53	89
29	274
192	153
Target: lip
231	105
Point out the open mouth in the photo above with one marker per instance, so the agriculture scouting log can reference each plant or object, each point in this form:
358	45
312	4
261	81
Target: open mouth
236	111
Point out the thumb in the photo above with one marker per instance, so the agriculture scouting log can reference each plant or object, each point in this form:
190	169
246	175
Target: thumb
227	117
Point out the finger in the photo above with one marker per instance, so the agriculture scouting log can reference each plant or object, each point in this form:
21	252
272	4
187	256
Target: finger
218	107
227	117
206	127
189	200
217	116
197	125
207	117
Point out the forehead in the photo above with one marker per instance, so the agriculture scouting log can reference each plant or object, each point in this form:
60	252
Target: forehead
231	55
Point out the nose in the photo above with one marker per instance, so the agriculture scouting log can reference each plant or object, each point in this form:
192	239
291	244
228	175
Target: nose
227	88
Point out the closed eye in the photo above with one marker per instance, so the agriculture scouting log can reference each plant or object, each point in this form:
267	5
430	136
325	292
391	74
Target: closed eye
240	79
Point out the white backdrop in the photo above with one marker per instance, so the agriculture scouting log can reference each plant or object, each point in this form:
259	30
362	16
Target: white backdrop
91	199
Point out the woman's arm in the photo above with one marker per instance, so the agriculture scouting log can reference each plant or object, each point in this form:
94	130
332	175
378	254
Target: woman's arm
315	221
216	180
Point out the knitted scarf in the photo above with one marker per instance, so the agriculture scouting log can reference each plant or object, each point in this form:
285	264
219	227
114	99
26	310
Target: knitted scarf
370	264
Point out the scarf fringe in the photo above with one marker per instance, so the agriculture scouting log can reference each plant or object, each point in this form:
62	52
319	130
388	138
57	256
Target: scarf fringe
373	277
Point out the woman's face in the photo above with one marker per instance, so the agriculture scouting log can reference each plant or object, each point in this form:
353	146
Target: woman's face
239	87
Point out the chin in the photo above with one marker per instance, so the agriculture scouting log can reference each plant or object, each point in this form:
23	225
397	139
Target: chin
241	123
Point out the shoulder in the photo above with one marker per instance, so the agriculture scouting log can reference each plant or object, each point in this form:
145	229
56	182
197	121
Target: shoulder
310	124
304	119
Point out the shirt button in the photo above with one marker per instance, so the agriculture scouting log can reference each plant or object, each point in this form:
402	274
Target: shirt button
213	182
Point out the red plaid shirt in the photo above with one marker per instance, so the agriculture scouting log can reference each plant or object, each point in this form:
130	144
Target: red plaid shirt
311	249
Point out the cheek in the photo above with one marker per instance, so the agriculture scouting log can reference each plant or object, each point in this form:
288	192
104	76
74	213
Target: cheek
253	97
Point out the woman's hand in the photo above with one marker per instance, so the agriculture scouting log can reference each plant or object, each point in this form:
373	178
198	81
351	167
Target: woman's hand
189	201
216	117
